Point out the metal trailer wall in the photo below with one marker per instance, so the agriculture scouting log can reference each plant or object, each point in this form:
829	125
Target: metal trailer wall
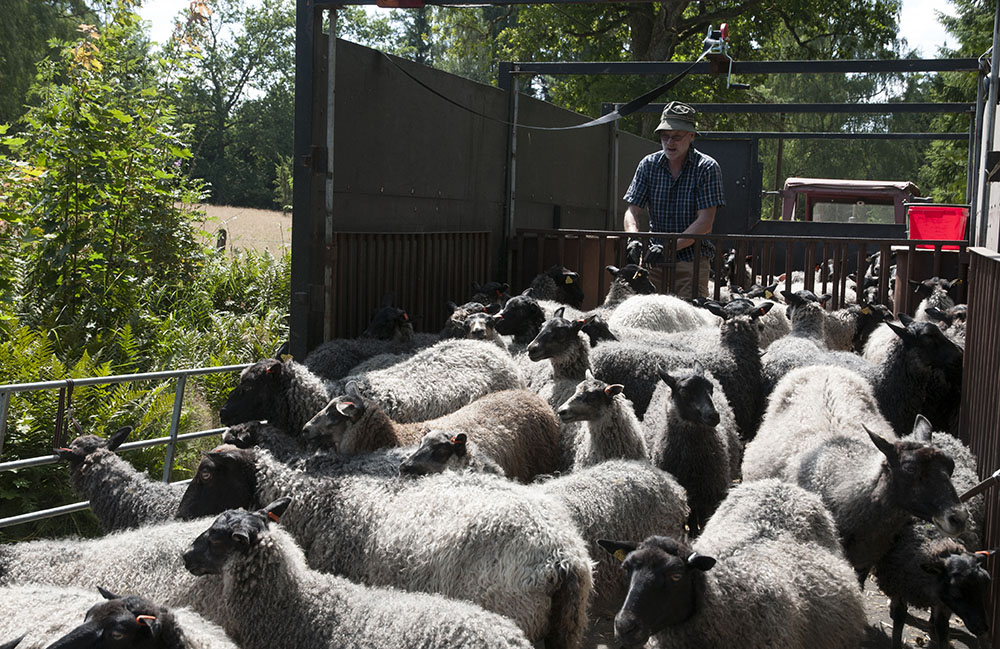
406	160
980	411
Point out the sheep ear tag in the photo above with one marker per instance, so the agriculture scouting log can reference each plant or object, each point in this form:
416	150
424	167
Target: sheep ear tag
149	622
569	280
286	357
272	516
865	311
620	554
768	294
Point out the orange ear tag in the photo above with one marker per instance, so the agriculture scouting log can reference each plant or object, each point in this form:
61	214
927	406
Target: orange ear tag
272	516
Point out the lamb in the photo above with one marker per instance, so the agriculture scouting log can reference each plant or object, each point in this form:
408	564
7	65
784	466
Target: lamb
922	375
437	380
476	325
119	496
515	428
770	591
927	570
610	428
285	393
144	560
664	313
50	615
560	341
618	499
471	536
819	431
691	433
441	451
558	284
275	601
627	281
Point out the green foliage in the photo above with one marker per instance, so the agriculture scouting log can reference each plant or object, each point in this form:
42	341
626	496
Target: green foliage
25	32
95	184
284	173
238	94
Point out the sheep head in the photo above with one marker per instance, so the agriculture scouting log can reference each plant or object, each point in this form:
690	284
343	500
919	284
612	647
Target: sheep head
235	531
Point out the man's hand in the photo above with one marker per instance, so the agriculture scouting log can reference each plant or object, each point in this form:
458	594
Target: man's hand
633	251
654	255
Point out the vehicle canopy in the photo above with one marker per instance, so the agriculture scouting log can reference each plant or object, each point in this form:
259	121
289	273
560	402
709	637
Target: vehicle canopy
846	201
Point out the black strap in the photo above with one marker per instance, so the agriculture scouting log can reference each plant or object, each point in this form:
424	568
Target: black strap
627	109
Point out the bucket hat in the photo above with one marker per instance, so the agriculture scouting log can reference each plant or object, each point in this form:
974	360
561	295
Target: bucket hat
677	116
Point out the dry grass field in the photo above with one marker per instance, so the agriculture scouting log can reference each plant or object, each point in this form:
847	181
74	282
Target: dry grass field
249	229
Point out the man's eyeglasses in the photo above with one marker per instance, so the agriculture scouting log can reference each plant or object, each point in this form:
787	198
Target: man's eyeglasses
673	138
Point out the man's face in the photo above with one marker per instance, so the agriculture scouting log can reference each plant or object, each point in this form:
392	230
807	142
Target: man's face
676	144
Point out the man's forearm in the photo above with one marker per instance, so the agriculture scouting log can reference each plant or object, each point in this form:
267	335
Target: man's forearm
701	225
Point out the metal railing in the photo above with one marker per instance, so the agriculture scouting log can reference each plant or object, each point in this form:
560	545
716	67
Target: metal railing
171	440
767	257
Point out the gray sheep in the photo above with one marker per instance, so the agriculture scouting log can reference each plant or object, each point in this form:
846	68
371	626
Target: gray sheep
767	591
437	380
610	429
119	496
626	281
504	546
275	601
53	616
285	393
691	433
927	570
951	321
515	428
144	560
260	433
618	499
440	450
823	432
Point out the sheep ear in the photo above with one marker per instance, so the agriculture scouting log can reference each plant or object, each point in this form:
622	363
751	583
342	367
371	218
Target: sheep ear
761	310
348	409
716	309
150	622
241	539
588	374
276	510
935	313
618	549
559	312
64	453
904	318
613	270
700	562
107	594
459	439
823	299
899	331
451	306
922	429
119	436
528	292
493	308
983	555
458	445
888	448
273	368
614	389
669	380
699	369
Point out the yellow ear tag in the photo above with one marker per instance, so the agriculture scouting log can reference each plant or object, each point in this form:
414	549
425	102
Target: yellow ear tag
636	276
619	554
569	280
286	357
768	294
865	311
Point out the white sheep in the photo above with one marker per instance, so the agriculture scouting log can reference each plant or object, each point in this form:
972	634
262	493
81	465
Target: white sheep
273	600
665	313
609	430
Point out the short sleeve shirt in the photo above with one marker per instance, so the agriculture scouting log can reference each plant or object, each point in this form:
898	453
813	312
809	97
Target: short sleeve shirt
673	203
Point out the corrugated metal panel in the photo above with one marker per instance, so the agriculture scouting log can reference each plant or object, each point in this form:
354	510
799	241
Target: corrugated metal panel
980	419
423	270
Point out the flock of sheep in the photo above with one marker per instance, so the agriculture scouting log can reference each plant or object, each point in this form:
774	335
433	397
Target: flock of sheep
719	474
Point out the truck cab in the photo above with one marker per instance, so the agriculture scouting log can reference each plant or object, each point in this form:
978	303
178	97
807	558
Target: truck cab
847	201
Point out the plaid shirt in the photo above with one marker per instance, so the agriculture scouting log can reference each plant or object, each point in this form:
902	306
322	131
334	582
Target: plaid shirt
673	203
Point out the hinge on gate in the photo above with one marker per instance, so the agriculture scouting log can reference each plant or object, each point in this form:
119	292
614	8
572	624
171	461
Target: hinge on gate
315	159
993	166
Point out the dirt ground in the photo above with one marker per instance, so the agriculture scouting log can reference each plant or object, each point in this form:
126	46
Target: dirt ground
878	634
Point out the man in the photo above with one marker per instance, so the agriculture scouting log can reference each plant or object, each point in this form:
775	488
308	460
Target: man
682	188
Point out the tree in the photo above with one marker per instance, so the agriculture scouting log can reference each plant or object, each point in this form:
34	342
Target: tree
25	31
243	51
94	181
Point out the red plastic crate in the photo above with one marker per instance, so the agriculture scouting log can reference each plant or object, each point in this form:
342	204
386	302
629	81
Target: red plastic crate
937	222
